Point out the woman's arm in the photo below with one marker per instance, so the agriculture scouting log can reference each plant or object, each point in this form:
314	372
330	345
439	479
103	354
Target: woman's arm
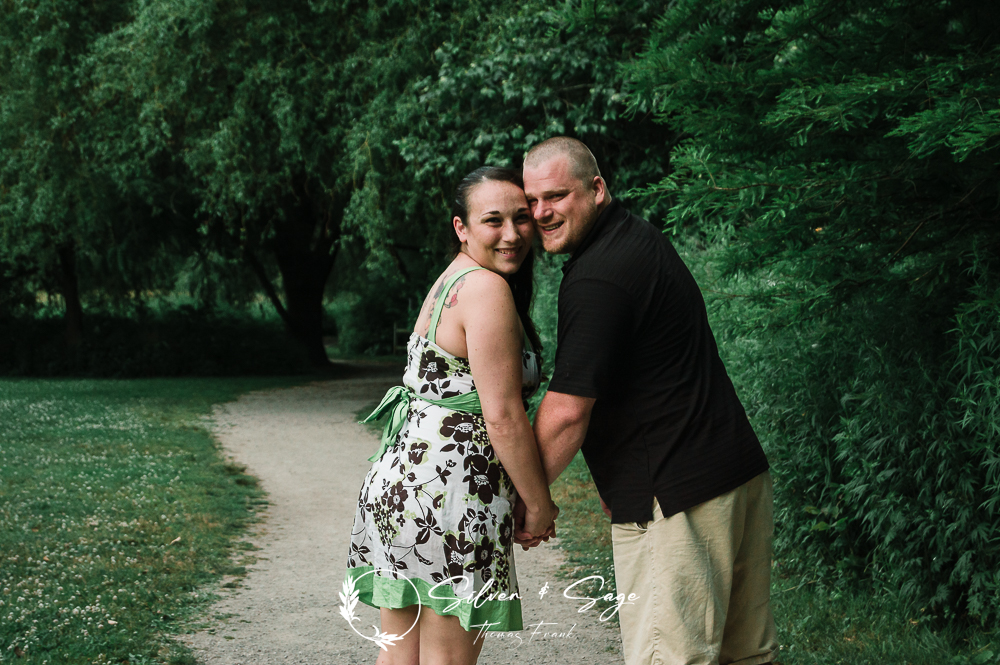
494	336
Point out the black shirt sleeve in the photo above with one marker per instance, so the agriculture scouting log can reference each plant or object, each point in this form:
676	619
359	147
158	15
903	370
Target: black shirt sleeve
596	324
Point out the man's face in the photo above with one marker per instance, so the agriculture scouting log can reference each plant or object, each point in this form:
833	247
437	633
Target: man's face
564	208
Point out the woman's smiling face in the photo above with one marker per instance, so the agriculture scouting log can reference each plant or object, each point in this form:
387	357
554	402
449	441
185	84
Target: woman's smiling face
499	229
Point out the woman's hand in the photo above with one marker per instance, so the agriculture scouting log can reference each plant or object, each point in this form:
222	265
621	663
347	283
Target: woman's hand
494	339
527	524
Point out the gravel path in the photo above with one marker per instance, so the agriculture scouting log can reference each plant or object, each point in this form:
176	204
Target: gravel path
311	457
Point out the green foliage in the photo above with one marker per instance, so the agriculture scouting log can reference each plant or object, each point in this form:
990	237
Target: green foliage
115	511
839	171
490	85
520	77
171	131
366	315
60	201
819	624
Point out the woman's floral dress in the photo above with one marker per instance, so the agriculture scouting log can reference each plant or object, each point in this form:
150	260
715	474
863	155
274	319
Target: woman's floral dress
434	519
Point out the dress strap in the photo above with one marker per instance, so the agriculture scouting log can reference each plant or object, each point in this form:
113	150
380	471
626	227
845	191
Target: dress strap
439	305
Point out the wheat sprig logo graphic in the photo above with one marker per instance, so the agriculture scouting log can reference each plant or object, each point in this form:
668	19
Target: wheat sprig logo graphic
349	600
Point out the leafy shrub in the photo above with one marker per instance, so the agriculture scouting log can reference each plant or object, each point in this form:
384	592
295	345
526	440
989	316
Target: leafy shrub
883	438
366	314
842	176
179	342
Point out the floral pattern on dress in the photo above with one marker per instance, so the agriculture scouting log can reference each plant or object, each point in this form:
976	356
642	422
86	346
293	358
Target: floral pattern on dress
438	504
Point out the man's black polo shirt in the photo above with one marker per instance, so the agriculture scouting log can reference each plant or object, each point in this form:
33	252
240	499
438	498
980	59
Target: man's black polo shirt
634	334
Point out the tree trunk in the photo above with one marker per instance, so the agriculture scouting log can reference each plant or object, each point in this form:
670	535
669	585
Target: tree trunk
304	245
303	276
265	282
71	294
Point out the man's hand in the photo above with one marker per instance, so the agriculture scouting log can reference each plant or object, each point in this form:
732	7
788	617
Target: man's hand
528	542
522	533
604	507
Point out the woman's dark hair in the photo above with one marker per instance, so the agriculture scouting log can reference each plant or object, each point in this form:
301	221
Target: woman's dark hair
522	283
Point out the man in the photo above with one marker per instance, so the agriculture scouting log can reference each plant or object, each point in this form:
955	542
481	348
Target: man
639	385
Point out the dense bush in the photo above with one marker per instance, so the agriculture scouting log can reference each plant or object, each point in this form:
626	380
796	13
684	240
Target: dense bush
884	444
840	171
179	342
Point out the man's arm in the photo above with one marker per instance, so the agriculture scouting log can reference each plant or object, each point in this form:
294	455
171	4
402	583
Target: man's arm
600	317
596	320
560	428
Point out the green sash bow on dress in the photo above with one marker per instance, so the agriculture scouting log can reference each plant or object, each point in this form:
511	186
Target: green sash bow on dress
395	403
397	399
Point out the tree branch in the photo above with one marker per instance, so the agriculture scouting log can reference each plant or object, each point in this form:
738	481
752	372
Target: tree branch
272	295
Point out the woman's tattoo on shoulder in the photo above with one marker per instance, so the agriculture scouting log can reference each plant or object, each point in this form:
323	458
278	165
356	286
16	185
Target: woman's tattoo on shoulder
432	299
439	287
453	299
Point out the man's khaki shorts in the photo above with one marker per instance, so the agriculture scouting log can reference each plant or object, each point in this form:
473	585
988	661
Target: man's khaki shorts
703	581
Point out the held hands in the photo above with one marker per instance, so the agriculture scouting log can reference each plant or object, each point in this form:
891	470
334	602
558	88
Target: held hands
526	532
531	527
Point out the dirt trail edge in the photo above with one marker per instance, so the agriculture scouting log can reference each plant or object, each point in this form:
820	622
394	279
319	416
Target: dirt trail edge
311	456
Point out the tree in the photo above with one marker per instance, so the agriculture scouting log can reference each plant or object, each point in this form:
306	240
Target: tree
258	102
522	73
841	166
53	205
242	130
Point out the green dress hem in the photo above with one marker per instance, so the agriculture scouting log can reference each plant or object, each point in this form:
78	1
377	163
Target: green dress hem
472	613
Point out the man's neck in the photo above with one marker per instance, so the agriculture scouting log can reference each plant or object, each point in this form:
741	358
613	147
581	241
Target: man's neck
589	232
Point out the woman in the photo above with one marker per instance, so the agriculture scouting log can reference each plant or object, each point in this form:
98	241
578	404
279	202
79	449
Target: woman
435	520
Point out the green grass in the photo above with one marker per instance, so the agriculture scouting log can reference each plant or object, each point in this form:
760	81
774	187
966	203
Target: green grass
116	509
817	625
822	625
584	531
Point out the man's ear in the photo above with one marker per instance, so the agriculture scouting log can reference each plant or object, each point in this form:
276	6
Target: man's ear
456	222
600	191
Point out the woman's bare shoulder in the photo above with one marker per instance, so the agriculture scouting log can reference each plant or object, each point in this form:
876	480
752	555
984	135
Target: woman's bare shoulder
471	292
486	281
485	289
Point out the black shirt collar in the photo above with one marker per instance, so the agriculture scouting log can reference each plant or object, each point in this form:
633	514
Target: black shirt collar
601	225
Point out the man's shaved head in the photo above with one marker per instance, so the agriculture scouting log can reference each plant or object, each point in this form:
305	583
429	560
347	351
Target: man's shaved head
565	192
581	160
